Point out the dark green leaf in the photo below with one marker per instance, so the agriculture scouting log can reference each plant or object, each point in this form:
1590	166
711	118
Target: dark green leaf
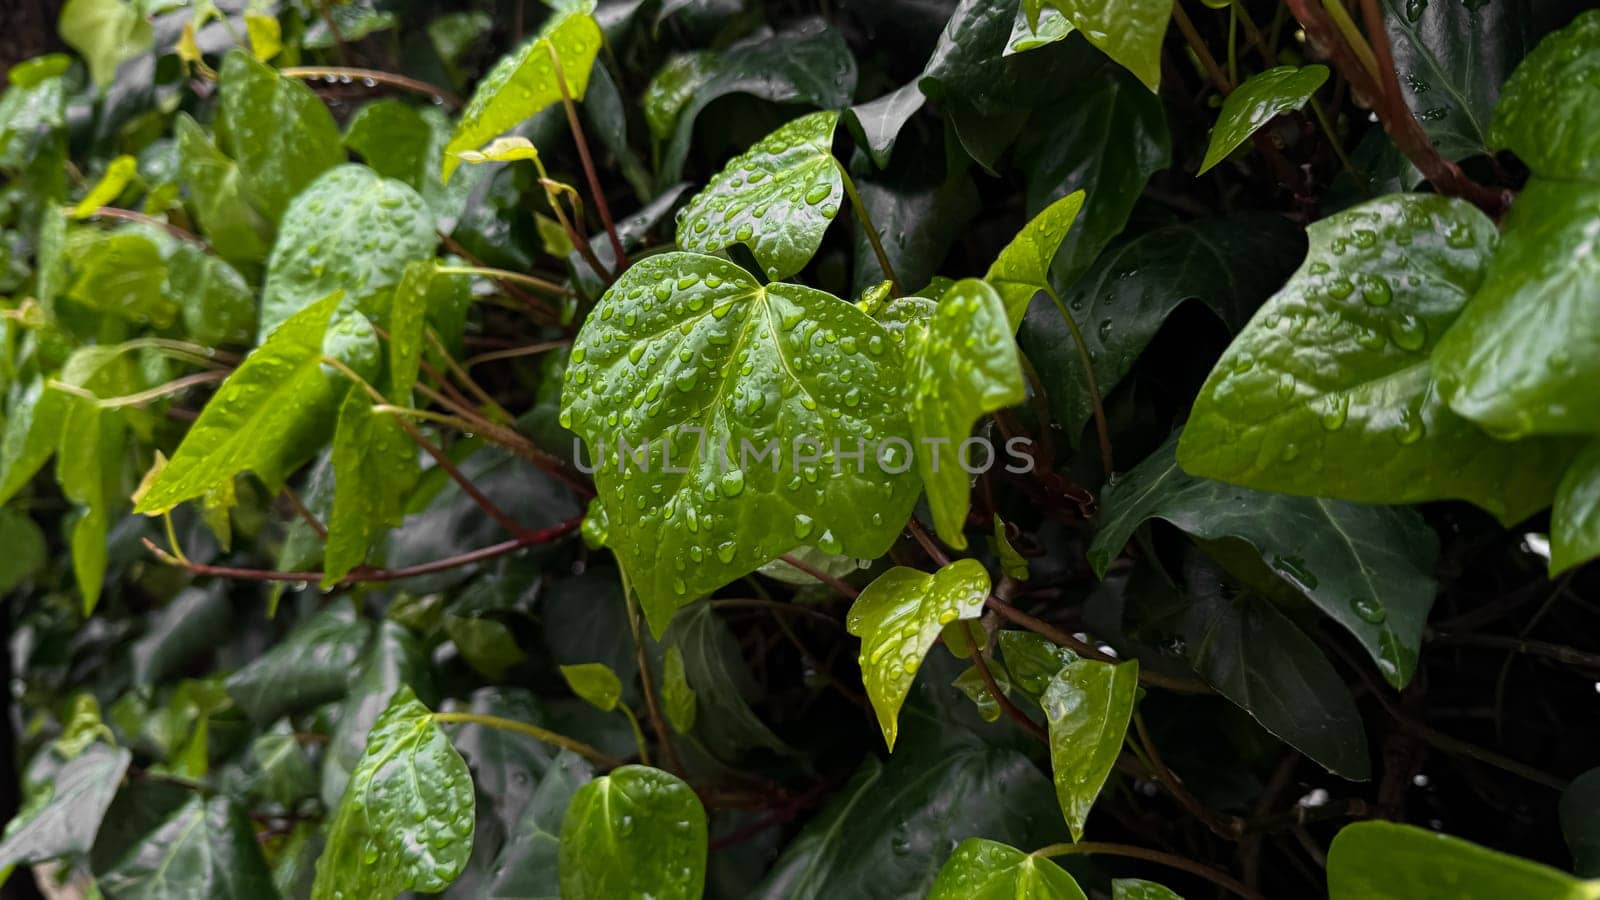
714	668
405	821
66	818
1329	390
528	866
205	849
309	667
672	87
393	660
986	870
1575	519
877	123
1580	822
193	623
637	832
25	549
1032	660
215	303
216	191
407	144
1136	889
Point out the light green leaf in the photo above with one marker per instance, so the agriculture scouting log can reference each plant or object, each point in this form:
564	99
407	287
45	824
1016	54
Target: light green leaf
1575	519
776	198
25	549
405	143
405	820
985	870
393	660
267	418
1137	889
1088	705
66	821
118	173
1262	98
1128	31
687	355
1547	114
965	365
1523	356
1369	568
124	274
526	81
1051	26
672	87
280	133
216	193
408	323
1023	268
676	694
105	33
204	849
215	303
898	618
971	682
352	230
1014	564
1389	861
1032	660
375	468
714	666
635	833
1329	392
595	683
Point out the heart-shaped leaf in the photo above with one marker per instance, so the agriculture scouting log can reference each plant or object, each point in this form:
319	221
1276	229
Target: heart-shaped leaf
1088	705
1023	268
1575	518
638	832
898	618
740	409
985	870
1128	31
776	198
1262	97
1329	392
405	820
963	365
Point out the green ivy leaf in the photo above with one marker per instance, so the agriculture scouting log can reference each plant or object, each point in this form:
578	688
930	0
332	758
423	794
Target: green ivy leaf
964	365
1262	98
119	172
393	660
407	144
1137	889
1580	822
1522	356
1051	26
1334	370
637	832
280	133
352	230
672	87
688	354
105	33
714	667
525	82
123	273
25	549
676	694
1547	114
1087	705
986	870
266	417
1389	861
1369	568
776	198
971	682
309	667
898	618
595	683
528	866
1575	518
217	195
65	822
216	304
205	848
806	62
1032	660
1452	59
32	430
405	820
375	468
1023	268
1128	31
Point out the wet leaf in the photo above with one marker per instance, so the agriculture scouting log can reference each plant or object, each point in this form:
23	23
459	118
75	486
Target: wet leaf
106	33
311	666
1262	98
525	82
595	683
65	821
985	870
375	468
1087	705
205	848
677	697
898	618
217	193
407	144
877	123
1129	32
1575	518
757	391
119	172
1329	390
1389	861
672	87
777	198
1023	268
1546	114
216	304
280	133
963	366
1051	26
1137	889
405	820
637	832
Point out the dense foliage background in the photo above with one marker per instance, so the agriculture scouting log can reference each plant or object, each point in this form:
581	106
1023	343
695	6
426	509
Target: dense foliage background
307	307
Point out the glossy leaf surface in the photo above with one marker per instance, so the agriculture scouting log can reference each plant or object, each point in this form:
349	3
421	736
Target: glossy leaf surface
635	833
1389	861
280	133
986	870
1262	97
1023	268
1087	705
1128	32
1546	113
205	849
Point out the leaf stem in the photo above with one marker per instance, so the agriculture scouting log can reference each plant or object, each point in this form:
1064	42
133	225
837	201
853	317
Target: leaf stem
1082	648
503	275
638	733
589	173
1097	404
1220	879
128	215
974	632
1229	829
374	75
865	217
543	735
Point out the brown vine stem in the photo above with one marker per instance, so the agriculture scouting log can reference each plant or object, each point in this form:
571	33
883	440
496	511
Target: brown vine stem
1055	635
821	576
589	172
366	575
375	76
1557	652
594	755
974	631
1220	879
503	275
1228	829
535	304
1380	87
128	215
305	513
